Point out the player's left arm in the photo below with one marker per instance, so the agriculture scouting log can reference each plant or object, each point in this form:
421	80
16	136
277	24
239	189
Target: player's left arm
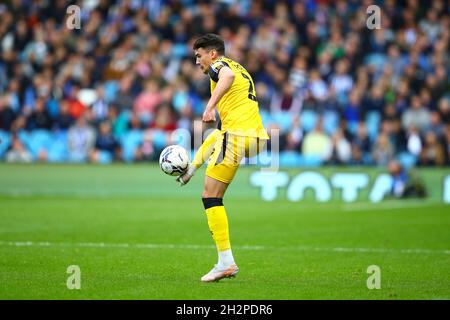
226	78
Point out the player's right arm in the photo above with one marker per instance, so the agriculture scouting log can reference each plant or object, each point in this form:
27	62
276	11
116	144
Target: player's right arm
225	80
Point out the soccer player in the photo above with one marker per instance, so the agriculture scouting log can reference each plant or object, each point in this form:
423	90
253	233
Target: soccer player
240	134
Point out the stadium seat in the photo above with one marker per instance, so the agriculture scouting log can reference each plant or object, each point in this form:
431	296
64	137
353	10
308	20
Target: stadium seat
407	160
342	98
179	50
264	159
265	117
111	88
58	151
367	158
5	142
311	161
352	127
104	157
159	139
376	60
180	137
53	108
197	103
330	122
130	142
24	137
290	159
39	140
308	120
283	120
145	118
179	100
373	119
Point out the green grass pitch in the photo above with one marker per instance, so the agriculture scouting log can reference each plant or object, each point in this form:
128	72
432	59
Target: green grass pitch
135	234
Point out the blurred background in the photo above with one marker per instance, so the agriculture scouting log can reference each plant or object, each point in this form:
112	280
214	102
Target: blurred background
115	89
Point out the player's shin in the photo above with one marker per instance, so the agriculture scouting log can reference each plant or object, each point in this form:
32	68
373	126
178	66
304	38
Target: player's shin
218	225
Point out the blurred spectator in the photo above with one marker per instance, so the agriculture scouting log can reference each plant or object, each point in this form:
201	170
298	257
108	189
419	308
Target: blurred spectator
164	118
318	87
360	145
446	144
19	124
76	107
298	76
14	94
444	110
124	98
436	124
317	143
146	102
374	101
402	95
357	156
7	115
64	120
17	152
146	150
263	94
106	145
39	117
352	112
413	141
186	117
100	106
81	140
430	25
341	81
295	136
286	101
416	115
397	135
383	150
433	152
342	152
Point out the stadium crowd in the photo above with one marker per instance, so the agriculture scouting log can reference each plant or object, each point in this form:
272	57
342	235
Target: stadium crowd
117	87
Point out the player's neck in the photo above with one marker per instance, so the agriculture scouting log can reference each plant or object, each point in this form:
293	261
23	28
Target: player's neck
219	57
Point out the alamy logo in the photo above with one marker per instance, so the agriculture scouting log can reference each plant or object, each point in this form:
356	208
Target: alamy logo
374	280
374	20
74	280
74	18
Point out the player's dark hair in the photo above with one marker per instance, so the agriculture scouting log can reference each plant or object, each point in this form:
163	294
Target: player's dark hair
210	41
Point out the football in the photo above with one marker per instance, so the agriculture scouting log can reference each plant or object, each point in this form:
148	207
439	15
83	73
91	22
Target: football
174	160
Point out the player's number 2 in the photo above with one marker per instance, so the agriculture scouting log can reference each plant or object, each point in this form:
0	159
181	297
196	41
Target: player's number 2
251	96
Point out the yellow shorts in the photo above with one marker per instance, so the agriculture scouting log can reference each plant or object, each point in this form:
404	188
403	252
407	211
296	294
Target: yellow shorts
229	150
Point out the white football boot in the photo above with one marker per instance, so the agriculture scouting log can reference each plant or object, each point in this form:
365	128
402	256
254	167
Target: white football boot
218	273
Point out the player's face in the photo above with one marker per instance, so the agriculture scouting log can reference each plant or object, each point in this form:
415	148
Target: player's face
204	58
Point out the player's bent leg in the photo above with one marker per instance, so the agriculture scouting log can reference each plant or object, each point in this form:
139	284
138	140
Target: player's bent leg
203	153
207	147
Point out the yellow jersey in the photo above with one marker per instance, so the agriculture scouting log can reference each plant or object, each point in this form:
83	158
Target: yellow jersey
238	108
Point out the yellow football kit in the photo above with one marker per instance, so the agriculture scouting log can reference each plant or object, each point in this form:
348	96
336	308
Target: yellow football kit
240	133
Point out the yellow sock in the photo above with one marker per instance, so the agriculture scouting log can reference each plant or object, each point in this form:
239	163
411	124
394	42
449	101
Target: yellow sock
217	222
